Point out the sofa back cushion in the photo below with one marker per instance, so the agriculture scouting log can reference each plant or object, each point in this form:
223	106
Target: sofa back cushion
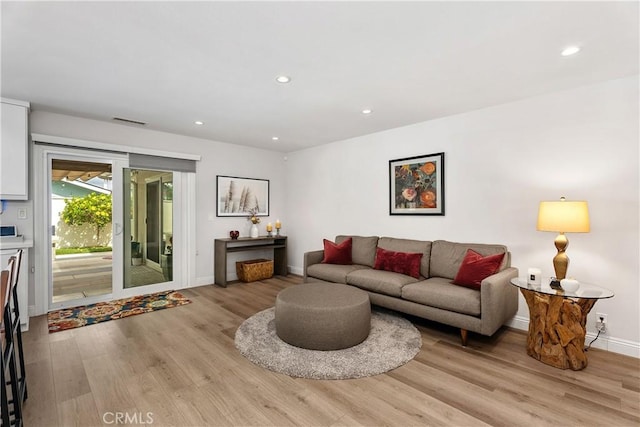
446	257
411	246
363	249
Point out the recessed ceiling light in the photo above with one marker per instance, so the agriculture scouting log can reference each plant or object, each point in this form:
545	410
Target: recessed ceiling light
570	50
367	111
283	79
275	138
198	122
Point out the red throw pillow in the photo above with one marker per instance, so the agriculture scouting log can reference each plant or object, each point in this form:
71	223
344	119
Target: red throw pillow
337	254
475	268
398	262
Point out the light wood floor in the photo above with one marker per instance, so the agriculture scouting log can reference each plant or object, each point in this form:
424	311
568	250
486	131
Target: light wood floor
180	367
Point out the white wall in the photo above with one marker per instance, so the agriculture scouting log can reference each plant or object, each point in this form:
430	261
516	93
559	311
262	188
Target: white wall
217	159
500	162
25	227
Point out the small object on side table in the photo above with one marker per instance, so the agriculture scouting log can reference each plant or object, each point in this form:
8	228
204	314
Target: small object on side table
555	284
570	285
234	234
534	276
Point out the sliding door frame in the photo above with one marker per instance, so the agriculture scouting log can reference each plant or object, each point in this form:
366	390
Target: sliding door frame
42	207
184	272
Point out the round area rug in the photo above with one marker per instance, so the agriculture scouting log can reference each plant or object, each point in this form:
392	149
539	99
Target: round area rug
393	341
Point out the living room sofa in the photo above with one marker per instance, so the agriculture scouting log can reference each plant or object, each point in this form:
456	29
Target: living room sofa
432	295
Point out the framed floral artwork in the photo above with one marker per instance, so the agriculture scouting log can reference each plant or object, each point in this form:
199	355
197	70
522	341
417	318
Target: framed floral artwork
237	196
416	185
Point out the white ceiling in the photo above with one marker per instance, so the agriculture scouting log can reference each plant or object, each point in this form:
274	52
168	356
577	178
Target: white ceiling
171	63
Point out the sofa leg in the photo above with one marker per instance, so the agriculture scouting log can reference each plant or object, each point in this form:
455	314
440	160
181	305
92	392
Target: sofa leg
463	334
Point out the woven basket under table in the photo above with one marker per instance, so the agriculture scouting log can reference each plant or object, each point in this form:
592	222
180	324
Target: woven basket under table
254	269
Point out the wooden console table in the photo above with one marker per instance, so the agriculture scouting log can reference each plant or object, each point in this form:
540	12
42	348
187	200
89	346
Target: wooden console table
557	322
245	244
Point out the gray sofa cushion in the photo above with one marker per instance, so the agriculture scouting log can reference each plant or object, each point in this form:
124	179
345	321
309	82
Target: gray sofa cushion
411	246
439	292
332	272
363	249
383	282
446	257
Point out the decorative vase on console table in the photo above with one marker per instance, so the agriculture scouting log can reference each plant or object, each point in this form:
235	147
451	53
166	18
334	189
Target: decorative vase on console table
253	217
254	231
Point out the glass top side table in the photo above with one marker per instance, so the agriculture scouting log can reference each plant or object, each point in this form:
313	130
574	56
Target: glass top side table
557	321
584	291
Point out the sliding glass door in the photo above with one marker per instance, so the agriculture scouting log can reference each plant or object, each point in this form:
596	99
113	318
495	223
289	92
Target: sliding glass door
150	227
84	224
110	228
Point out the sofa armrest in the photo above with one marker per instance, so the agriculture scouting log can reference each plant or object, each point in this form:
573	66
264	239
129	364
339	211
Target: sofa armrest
498	300
310	258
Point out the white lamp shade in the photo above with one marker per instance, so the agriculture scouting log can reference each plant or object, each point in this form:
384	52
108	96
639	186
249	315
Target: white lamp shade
563	216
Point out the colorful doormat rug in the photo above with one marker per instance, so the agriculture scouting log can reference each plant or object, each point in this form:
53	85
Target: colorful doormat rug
76	317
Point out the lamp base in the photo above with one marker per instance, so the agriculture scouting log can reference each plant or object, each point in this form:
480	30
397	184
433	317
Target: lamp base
561	260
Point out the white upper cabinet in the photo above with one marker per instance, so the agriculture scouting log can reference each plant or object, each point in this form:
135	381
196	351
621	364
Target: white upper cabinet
14	150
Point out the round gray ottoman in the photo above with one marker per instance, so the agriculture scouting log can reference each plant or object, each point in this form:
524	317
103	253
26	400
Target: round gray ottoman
323	316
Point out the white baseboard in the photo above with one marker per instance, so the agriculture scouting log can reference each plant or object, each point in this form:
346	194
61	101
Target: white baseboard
626	347
612	344
32	311
519	322
204	280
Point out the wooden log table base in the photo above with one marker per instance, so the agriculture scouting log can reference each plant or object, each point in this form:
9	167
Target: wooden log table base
557	329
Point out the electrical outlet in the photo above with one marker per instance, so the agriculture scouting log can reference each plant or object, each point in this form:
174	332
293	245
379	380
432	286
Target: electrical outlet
601	322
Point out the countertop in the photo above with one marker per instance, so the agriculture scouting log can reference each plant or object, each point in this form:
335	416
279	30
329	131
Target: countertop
16	244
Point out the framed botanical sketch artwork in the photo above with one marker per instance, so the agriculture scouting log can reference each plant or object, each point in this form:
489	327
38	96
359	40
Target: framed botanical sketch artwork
239	196
416	185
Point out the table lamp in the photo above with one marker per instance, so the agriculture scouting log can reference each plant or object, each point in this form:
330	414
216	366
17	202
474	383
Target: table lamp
563	216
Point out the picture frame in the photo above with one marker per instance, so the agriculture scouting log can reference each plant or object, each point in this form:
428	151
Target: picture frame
236	196
416	185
